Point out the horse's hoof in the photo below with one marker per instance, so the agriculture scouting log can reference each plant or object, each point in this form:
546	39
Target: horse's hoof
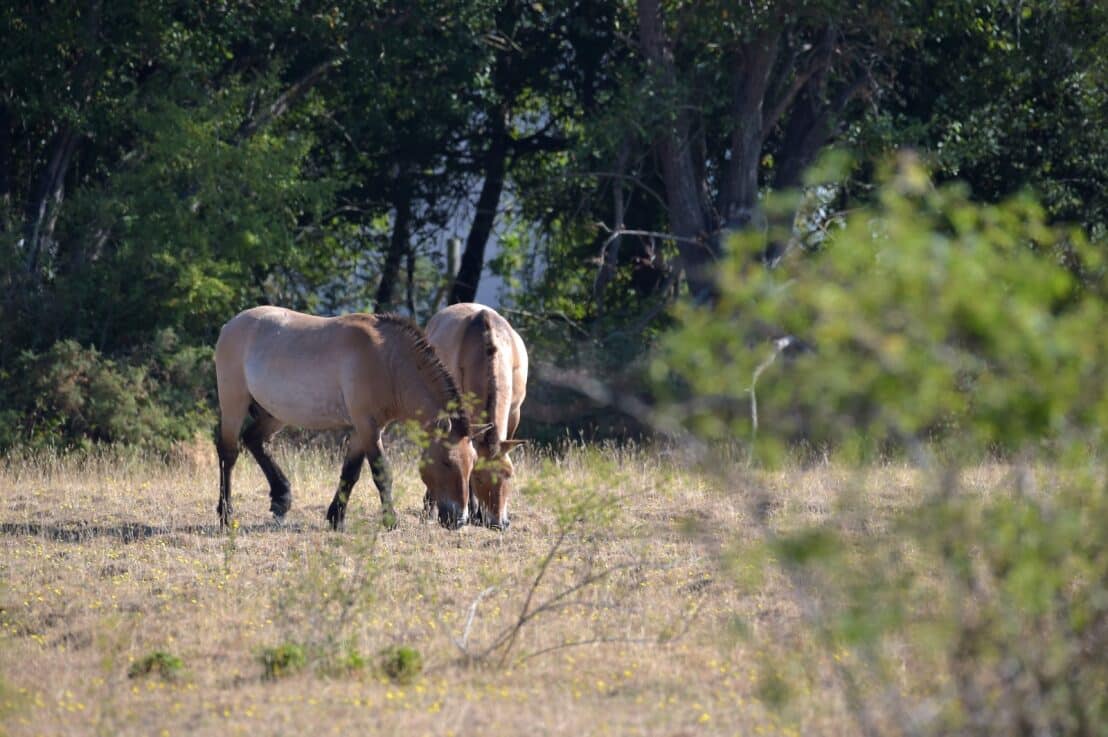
389	519
280	505
278	520
336	517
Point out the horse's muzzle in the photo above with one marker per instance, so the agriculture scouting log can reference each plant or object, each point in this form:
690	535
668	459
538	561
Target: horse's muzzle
451	515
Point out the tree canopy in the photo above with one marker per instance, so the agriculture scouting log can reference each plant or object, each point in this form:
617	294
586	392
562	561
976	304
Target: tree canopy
164	165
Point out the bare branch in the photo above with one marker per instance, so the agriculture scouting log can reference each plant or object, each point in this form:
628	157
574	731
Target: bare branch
558	314
469	620
285	100
819	64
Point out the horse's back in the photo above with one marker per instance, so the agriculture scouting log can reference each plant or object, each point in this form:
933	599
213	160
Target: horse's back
295	366
458	338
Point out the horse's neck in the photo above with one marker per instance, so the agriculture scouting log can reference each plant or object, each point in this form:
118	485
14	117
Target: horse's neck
419	398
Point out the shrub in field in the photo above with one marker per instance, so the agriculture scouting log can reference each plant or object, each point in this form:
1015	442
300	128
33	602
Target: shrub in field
350	661
282	660
159	663
946	329
969	615
73	396
924	316
401	663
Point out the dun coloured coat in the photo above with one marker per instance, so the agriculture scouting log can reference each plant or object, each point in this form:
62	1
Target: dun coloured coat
279	367
489	362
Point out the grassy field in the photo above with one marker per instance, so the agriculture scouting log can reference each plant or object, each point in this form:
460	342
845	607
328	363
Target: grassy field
615	604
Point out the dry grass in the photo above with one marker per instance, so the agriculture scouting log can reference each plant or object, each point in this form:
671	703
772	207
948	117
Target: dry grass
108	559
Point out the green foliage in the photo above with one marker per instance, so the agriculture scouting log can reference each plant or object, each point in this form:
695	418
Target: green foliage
994	104
282	660
948	329
71	396
401	663
165	665
993	607
928	317
351	661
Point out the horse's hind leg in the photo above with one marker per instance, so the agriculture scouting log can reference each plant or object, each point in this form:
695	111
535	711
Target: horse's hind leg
262	429
227	448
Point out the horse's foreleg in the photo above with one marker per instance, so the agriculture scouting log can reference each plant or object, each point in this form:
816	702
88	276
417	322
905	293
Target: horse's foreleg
351	470
280	492
382	477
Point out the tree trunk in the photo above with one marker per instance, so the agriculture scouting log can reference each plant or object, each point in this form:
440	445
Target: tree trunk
399	244
811	126
473	259
609	256
739	201
5	162
687	210
44	205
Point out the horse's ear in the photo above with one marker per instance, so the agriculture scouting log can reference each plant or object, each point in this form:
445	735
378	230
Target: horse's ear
476	431
443	425
507	445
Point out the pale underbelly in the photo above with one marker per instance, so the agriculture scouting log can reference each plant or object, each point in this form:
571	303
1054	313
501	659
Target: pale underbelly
308	399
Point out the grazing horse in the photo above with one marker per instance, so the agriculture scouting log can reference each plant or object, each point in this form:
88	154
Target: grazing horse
489	361
281	367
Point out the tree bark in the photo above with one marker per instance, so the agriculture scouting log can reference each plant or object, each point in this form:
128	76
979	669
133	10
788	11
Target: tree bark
752	74
473	258
43	206
688	213
399	244
811	127
5	160
609	256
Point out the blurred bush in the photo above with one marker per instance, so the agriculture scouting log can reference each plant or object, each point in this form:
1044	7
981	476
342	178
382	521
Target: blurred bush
948	332
923	317
70	396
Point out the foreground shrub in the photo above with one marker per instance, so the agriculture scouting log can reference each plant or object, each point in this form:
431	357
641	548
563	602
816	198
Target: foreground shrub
282	660
941	329
159	663
401	663
922	317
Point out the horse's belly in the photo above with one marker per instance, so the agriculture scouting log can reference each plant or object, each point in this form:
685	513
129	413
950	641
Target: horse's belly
310	399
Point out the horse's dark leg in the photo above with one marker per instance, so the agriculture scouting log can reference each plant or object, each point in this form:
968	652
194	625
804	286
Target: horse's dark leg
351	470
475	515
382	477
228	453
259	431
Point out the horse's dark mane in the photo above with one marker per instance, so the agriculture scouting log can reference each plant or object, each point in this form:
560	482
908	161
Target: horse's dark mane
432	367
482	322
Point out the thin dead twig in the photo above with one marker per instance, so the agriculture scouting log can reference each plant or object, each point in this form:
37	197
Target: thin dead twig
469	620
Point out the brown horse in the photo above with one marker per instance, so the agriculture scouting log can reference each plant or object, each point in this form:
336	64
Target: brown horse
489	361
281	367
